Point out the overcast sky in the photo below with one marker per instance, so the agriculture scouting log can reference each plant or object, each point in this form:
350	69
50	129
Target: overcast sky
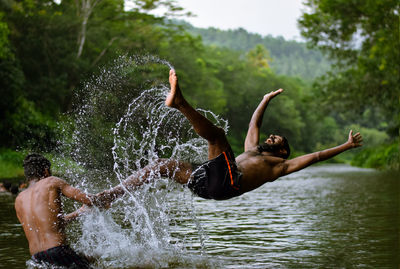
274	17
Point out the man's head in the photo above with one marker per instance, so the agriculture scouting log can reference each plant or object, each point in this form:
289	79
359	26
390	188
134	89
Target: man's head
36	166
7	185
277	145
14	189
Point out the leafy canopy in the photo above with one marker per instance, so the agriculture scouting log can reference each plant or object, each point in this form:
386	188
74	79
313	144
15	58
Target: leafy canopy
363	39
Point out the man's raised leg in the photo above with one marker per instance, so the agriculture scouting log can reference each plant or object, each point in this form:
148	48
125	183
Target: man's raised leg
217	142
178	170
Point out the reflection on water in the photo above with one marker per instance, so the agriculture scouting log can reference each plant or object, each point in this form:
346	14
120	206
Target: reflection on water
330	216
14	249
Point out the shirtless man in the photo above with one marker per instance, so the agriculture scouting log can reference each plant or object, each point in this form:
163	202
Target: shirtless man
222	176
40	212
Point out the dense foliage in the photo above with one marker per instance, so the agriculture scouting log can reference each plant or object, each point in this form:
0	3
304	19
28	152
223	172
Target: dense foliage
49	49
362	38
290	58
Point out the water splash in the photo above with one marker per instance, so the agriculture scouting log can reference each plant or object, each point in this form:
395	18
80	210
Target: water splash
120	124
140	59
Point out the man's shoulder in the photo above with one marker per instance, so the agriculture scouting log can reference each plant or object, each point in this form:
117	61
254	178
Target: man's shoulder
20	199
52	179
51	182
253	152
260	159
262	155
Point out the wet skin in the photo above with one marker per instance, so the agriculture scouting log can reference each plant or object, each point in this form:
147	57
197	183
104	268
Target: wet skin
39	210
256	168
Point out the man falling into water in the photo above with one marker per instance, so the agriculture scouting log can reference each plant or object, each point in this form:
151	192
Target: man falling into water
222	176
40	212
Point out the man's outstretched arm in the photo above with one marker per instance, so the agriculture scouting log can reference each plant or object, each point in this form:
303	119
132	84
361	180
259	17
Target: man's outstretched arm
77	213
102	199
253	134
301	162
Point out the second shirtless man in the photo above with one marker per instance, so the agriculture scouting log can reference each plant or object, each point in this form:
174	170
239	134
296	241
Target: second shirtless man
40	212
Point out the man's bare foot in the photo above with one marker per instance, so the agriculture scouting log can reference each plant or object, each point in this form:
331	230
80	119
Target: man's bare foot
174	98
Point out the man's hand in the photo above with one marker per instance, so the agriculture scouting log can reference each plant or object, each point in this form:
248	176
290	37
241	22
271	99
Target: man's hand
354	140
103	199
272	94
76	214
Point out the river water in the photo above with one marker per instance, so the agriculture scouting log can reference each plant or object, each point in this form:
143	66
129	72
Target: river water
329	216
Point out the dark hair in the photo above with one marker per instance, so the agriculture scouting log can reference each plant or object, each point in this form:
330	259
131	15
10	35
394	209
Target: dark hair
285	145
14	189
7	185
35	166
275	148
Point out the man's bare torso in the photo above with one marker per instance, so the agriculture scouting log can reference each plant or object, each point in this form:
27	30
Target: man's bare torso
258	168
39	211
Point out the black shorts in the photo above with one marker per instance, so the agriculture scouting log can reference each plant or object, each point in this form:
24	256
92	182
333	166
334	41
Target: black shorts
61	256
218	178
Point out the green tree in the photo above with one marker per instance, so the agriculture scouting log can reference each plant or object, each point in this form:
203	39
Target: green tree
259	57
49	48
363	38
4	42
290	58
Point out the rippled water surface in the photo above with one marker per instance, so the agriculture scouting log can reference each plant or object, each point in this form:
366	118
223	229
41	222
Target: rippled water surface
329	216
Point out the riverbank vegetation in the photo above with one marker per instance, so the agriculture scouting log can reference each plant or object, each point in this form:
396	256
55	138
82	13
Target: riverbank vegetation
380	157
49	49
11	164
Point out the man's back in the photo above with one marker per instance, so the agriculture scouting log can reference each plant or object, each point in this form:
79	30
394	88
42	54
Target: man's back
39	211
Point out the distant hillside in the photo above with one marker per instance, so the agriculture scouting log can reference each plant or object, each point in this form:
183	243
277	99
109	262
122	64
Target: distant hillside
290	58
